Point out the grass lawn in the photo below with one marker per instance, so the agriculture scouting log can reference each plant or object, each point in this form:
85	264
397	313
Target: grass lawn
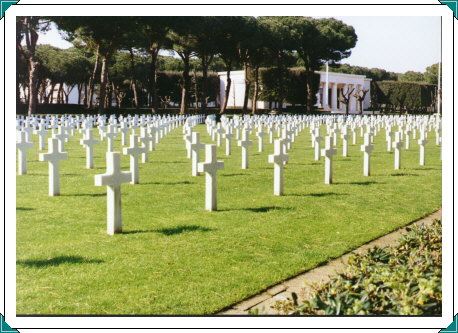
176	258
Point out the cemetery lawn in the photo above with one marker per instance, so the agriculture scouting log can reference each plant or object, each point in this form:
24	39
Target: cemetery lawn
176	258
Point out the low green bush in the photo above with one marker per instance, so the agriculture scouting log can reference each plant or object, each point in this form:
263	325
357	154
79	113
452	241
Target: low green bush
401	280
413	96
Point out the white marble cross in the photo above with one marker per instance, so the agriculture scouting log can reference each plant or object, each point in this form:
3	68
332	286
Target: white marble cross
238	127
422	142
278	158
53	156
353	131
286	141
437	129
219	132
287	134
397	145
261	134
345	136
228	136
245	143
328	152
22	145
389	135
317	139
27	130
42	132
89	142
113	179
124	129
110	135
188	139
196	146
152	132
210	167
407	133
62	137
145	139
134	150
367	148
335	131
270	130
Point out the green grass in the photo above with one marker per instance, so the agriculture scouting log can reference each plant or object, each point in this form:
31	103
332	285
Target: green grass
176	258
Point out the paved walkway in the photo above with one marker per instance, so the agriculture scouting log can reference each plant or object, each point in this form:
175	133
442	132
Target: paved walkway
301	283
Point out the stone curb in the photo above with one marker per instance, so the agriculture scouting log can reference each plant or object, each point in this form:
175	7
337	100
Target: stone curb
300	284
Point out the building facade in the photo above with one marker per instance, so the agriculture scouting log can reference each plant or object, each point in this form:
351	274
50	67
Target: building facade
338	85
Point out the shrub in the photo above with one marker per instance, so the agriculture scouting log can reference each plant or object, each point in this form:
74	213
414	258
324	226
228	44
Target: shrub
401	280
414	96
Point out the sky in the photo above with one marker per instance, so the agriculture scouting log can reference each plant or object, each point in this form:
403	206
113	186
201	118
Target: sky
394	43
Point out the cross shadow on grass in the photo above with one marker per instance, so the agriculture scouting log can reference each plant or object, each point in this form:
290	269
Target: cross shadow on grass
426	169
172	162
403	174
233	174
186	182
172	230
84	195
259	209
24	208
318	195
366	183
56	261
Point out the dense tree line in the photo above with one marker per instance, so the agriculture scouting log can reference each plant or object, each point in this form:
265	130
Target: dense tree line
403	96
119	57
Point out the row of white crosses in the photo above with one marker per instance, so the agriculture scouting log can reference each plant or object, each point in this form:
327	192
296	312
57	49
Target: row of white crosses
56	154
287	128
114	177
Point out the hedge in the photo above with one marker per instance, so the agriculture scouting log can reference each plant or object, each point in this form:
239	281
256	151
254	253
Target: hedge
414	96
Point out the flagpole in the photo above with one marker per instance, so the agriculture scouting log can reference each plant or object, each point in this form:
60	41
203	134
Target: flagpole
438	87
326	88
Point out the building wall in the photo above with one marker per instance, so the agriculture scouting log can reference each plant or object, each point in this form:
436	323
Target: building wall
337	81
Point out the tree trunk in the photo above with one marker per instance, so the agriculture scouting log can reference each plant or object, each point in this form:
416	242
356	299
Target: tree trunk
42	89
18	90
33	91
50	97
90	97
132	78
59	93
186	83
25	91
85	94
247	89
255	90
309	80
196	94
153	80
117	95
31	42
203	98
79	86
227	90
103	85
280	81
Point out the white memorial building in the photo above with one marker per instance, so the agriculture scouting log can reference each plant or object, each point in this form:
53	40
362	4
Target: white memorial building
337	83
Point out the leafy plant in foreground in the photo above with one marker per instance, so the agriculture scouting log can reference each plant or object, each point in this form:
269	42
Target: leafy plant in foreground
401	280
